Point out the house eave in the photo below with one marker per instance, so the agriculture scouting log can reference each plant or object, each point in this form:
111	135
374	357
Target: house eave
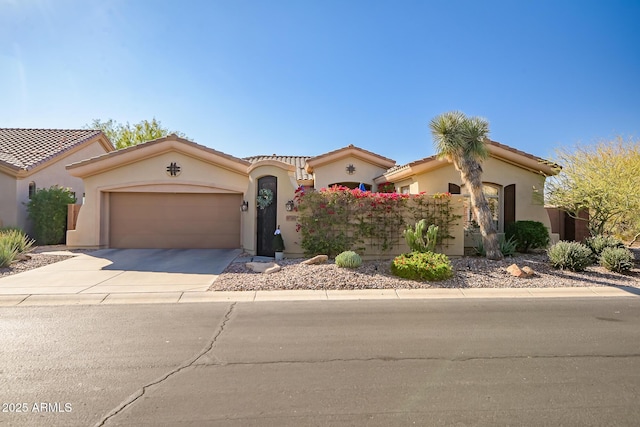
129	155
350	151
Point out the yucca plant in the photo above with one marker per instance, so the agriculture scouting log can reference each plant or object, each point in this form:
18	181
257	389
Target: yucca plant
7	254
17	240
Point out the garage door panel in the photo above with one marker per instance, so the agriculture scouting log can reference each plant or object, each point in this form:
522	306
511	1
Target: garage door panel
174	220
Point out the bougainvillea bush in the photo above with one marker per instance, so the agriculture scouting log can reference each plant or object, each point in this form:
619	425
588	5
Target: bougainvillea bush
338	219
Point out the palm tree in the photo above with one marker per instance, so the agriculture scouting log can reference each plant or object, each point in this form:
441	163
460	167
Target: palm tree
462	141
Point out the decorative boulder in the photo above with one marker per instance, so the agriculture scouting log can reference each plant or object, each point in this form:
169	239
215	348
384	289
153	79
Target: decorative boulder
318	259
515	271
528	271
263	267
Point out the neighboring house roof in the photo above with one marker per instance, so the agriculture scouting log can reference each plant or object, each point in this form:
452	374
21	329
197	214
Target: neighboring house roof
496	150
298	162
153	147
25	149
350	150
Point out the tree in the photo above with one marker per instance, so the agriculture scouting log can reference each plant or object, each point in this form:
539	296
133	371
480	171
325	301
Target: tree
48	210
462	141
126	135
603	179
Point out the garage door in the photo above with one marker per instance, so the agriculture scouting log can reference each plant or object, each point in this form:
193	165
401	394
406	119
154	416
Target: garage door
174	220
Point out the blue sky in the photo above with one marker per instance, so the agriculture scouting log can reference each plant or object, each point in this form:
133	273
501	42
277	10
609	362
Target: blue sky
304	77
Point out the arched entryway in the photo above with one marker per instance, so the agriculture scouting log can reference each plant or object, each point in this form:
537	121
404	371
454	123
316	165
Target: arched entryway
267	216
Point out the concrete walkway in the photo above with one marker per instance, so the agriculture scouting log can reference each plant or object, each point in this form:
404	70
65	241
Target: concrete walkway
147	276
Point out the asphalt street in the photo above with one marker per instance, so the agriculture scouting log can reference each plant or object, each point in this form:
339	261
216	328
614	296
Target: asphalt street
425	362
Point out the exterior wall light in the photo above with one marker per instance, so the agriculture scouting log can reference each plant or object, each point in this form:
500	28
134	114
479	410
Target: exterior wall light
245	206
289	205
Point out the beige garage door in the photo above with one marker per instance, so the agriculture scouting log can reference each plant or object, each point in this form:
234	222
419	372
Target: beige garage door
174	220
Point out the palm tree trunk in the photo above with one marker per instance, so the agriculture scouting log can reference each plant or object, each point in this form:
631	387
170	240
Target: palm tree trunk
471	173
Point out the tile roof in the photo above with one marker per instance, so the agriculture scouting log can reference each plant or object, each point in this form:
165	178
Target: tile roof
490	142
144	145
24	149
362	150
297	161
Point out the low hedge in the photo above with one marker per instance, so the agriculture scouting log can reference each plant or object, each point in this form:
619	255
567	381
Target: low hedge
422	266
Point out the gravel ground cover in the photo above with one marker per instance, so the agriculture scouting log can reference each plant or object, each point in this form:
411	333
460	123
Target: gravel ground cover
470	272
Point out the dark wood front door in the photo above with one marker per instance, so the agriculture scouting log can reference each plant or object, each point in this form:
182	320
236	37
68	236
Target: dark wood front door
267	217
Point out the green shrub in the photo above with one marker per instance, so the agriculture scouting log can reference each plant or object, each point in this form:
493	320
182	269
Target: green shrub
7	254
573	256
48	210
599	243
17	240
616	259
507	246
528	235
419	239
422	266
348	259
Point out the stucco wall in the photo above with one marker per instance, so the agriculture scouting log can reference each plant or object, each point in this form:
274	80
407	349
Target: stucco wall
147	175
331	173
287	220
529	186
8	202
54	173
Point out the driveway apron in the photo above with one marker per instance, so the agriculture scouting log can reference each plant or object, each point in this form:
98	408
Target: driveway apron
109	271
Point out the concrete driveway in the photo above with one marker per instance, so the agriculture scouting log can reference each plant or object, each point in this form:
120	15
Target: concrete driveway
124	271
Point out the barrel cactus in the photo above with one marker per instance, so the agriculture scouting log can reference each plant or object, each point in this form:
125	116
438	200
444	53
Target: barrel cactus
348	259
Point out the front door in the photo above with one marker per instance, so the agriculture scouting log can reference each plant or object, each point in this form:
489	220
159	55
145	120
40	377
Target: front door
267	216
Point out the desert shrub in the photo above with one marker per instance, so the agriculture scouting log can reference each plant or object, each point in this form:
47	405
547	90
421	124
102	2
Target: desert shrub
7	254
422	266
10	228
48	210
616	259
420	238
528	235
507	246
599	243
348	259
16	239
569	255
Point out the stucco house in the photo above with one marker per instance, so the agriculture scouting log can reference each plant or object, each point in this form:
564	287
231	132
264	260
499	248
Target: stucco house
174	193
33	159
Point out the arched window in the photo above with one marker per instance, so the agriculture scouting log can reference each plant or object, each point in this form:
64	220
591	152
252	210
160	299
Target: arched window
32	189
493	193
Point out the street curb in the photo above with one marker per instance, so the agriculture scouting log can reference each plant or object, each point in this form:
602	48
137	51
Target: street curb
316	295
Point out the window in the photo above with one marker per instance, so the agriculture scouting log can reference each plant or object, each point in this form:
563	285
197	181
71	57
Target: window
493	195
32	189
404	189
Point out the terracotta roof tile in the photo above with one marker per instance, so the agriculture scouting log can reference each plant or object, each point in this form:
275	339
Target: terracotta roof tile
297	161
24	149
494	143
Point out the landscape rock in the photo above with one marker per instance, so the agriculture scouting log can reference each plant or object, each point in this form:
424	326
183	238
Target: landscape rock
318	259
263	267
528	271
273	269
515	271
